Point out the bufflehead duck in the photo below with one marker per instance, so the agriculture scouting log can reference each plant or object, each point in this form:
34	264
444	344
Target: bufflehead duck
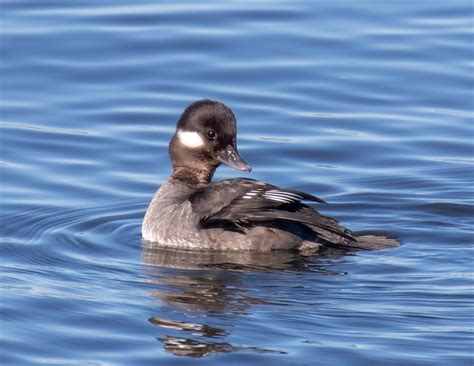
190	212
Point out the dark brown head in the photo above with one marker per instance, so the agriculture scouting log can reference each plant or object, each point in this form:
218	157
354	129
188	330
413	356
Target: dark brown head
205	137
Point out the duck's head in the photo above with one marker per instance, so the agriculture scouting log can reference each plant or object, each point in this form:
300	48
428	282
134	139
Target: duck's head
205	137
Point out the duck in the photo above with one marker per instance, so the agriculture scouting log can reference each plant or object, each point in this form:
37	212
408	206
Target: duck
191	212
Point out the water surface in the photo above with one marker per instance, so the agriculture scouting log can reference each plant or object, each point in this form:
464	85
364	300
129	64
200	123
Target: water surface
367	105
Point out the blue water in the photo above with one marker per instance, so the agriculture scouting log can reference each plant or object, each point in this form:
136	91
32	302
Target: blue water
366	104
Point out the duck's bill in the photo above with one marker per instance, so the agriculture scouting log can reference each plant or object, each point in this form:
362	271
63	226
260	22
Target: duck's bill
231	157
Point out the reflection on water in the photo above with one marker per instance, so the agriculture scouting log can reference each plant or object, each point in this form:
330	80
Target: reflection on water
193	348
202	346
244	260
207	283
198	329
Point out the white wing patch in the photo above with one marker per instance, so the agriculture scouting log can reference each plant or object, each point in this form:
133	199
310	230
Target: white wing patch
190	139
281	196
273	195
250	194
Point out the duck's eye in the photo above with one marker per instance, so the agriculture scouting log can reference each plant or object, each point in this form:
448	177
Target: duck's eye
211	135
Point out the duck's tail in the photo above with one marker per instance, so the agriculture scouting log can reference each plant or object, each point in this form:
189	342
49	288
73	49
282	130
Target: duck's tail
358	242
371	242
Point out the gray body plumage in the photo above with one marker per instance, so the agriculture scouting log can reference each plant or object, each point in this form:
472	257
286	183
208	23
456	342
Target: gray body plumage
176	219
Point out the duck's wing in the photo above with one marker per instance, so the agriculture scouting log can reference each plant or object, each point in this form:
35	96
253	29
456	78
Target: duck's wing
236	194
244	202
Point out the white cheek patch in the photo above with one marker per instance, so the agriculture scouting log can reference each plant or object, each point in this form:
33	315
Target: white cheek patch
190	139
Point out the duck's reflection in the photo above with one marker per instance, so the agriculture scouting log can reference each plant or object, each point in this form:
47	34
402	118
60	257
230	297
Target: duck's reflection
245	261
209	285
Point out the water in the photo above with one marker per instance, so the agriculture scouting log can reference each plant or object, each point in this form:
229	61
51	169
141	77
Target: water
366	104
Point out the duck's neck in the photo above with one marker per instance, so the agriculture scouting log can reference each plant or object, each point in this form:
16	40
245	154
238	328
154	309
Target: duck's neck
193	176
